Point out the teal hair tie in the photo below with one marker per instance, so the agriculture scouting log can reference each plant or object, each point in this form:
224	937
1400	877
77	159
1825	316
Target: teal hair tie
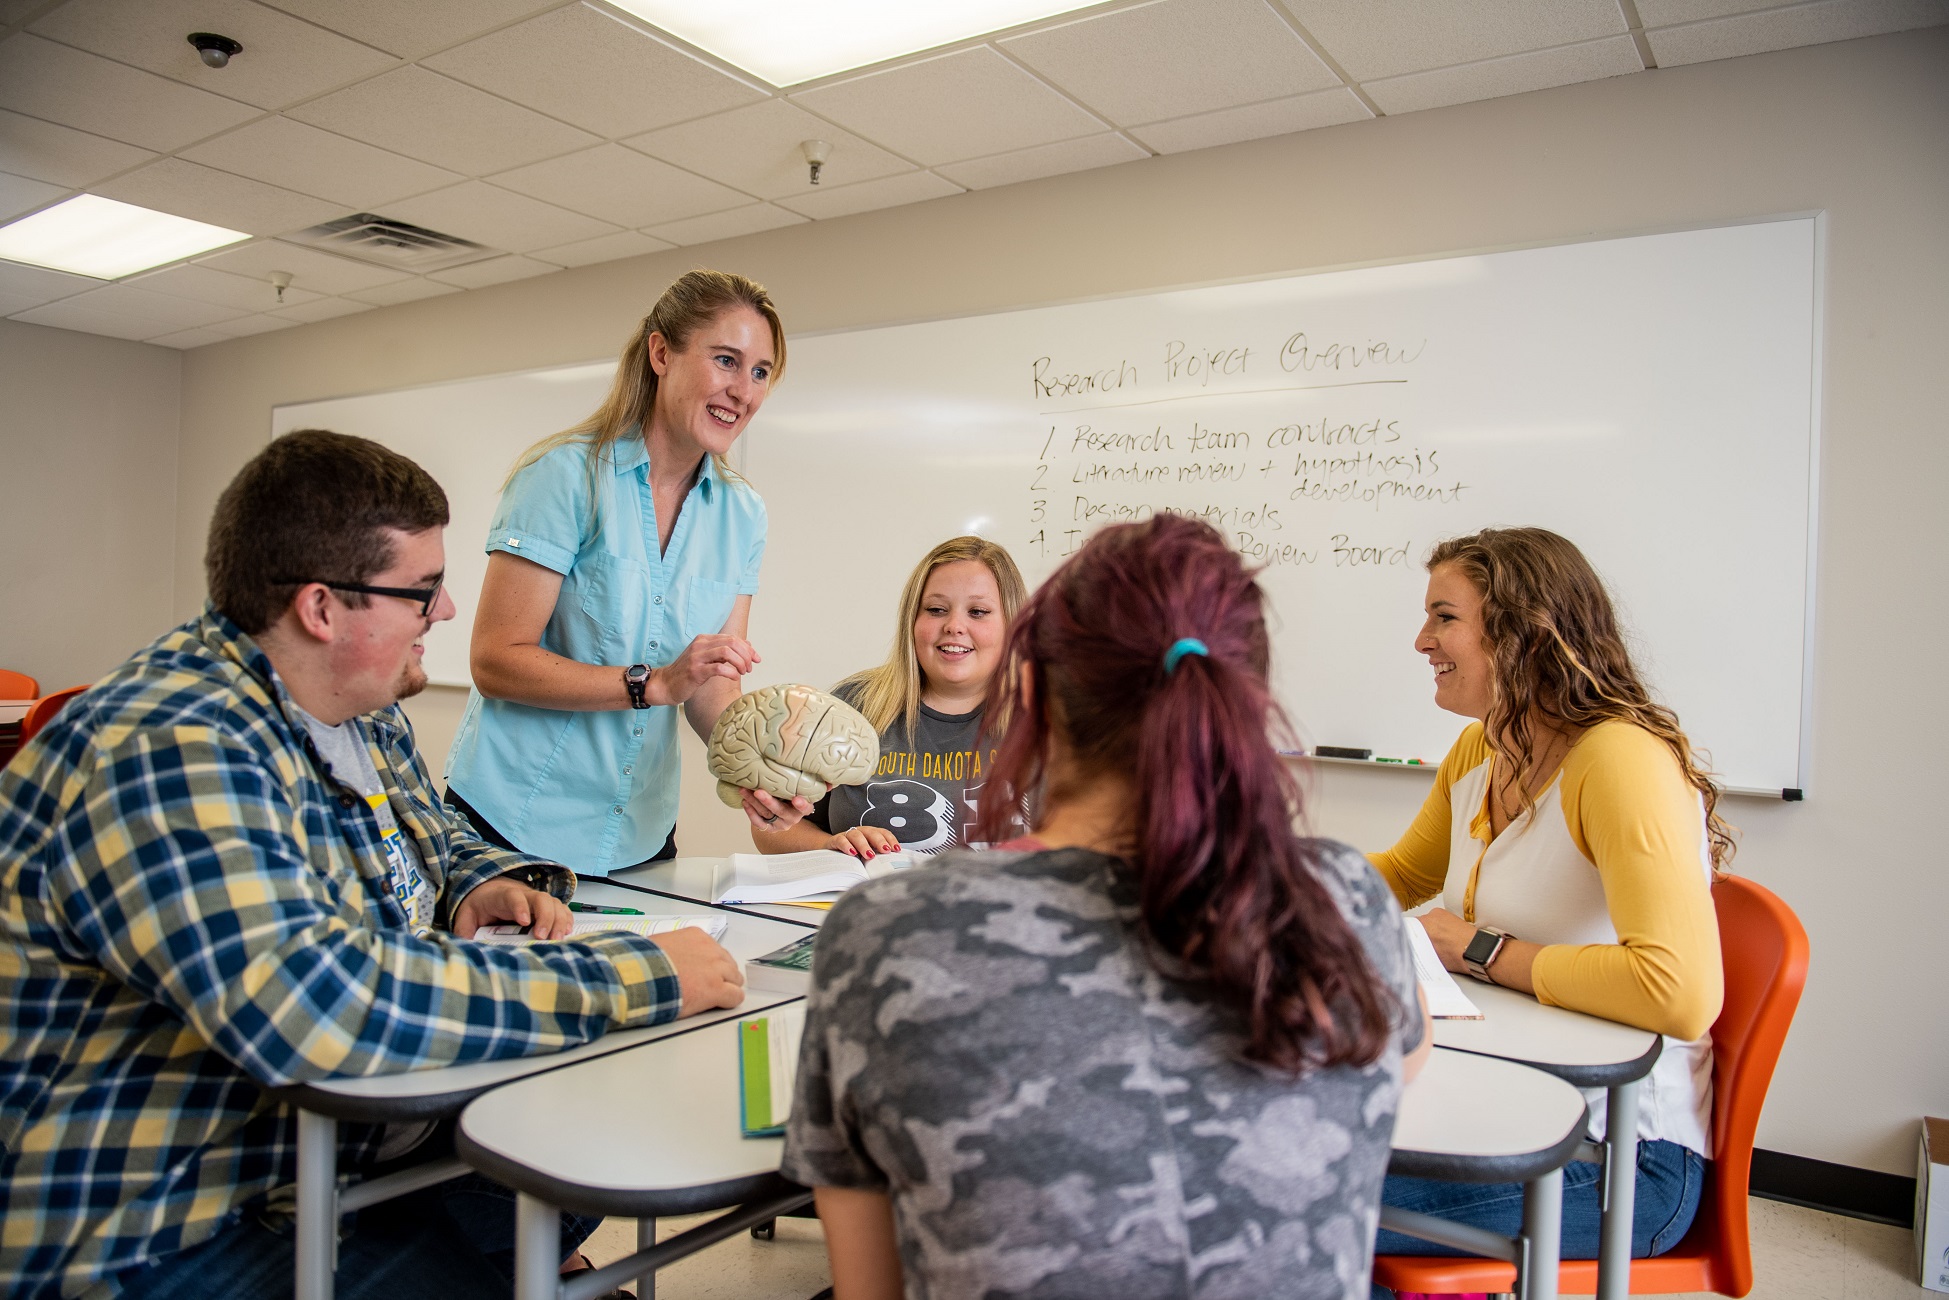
1189	645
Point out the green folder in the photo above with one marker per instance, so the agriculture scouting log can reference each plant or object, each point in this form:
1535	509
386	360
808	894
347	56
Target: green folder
768	1068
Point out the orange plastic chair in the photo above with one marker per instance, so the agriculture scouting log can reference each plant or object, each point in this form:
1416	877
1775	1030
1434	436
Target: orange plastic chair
18	686
1764	951
44	709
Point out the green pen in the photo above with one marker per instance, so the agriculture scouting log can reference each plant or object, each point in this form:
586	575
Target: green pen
605	911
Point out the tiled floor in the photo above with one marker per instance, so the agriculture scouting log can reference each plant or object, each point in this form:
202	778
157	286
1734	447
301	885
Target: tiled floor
1798	1255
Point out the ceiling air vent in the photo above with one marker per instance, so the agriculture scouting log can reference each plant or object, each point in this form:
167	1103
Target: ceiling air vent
395	244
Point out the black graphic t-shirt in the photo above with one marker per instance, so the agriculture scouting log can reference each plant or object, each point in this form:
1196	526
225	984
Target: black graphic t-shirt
926	788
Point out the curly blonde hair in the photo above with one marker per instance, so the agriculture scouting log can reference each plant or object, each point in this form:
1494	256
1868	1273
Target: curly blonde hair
1553	634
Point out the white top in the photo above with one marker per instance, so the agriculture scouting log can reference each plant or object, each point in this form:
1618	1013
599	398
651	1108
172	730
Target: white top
1536	884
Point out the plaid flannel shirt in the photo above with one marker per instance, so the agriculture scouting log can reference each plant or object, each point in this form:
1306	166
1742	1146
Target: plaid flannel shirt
192	911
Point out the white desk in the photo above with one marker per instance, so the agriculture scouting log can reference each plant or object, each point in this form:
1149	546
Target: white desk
439	1093
14	710
1467	1117
1589	1052
701	880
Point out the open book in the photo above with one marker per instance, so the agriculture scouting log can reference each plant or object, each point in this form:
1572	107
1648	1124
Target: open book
816	875
591	925
1446	1001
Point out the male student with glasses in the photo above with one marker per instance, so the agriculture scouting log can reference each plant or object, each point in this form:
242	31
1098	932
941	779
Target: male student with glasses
224	869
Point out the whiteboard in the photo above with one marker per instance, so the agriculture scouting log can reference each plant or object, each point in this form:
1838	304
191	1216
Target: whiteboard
467	434
1652	398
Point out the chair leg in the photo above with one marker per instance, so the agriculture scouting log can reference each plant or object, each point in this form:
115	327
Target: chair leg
765	1231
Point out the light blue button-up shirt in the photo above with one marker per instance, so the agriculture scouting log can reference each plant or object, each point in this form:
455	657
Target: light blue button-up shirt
598	791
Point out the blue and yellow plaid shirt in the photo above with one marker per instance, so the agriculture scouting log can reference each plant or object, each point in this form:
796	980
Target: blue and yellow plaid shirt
192	911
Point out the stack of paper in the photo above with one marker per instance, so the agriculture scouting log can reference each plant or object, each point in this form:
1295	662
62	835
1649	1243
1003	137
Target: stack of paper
1446	1001
768	1068
591	925
817	875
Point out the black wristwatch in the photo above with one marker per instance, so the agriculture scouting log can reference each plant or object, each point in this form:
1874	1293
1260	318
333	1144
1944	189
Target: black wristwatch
1482	950
636	679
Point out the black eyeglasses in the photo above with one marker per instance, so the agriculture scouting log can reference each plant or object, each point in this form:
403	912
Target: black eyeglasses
425	595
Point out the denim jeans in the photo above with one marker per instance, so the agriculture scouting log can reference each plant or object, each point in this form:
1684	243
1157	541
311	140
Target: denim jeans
453	1239
1670	1179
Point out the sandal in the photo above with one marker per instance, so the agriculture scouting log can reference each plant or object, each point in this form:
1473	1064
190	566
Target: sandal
581	1263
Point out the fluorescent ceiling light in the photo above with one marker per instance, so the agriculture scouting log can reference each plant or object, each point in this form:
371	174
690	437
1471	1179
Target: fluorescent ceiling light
93	236
790	41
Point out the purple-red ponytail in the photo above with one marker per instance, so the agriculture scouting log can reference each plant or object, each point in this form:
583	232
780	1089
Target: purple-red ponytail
1229	894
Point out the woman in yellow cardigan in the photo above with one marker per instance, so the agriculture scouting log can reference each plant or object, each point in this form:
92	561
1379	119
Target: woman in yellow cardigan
1571	840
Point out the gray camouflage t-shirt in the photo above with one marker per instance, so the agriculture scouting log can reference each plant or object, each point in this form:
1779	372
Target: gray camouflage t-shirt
1052	1117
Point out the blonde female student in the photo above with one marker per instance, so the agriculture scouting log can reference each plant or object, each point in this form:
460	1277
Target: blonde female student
622	562
1571	839
926	703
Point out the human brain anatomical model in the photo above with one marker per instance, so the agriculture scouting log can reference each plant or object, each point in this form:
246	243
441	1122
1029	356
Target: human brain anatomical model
787	741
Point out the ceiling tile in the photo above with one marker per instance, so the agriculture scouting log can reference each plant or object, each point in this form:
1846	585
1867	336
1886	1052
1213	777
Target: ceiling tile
298	157
259	324
1493	78
163	312
46	80
892	191
18	195
478	275
1784	29
61	155
1174	58
498	218
40	284
206	194
14	302
403	291
68	315
965	105
608	248
195	338
207	284
621	185
756	149
1043	160
283	60
323	309
725	225
1663	13
18	11
1386	38
311	269
1255	121
411	28
437	120
592	69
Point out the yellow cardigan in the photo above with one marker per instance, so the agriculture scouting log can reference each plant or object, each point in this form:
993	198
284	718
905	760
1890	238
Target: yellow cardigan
1628	814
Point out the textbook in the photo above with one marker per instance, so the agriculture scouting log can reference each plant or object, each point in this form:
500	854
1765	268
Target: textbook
816	875
785	970
1446	1001
648	926
768	1069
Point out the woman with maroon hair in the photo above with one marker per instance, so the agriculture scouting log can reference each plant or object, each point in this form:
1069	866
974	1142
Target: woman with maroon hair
1156	1047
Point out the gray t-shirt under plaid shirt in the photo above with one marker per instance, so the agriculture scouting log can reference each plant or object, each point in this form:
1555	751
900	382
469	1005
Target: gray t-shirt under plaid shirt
988	1043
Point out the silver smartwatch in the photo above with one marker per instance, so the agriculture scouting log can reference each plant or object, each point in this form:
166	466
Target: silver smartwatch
1482	950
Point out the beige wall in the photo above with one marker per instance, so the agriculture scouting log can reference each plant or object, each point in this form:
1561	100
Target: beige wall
88	511
1856	130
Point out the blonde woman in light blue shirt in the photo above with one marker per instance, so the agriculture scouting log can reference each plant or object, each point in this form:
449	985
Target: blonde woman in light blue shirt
622	562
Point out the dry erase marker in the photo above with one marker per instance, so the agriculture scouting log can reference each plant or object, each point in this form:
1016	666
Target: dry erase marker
606	911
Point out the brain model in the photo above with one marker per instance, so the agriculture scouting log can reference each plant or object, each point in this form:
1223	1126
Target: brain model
787	741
